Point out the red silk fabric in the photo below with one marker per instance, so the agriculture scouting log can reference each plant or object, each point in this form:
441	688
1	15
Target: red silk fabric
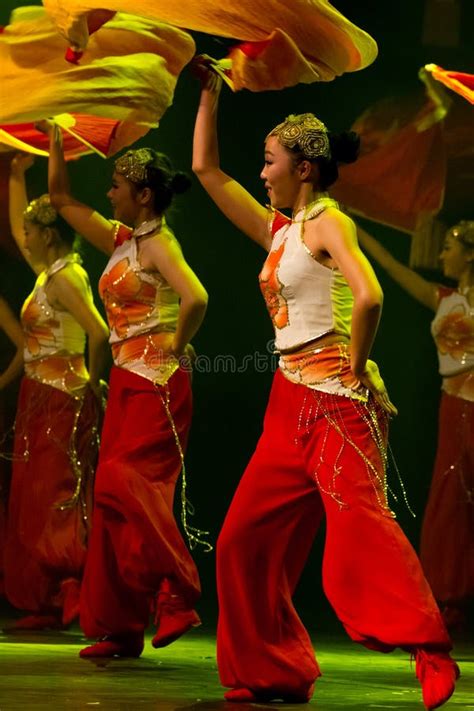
447	537
45	546
135	544
371	574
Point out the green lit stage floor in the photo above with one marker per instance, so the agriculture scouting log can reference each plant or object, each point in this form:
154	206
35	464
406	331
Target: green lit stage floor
43	671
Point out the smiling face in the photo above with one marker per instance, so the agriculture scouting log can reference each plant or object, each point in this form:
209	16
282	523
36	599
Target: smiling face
124	199
280	174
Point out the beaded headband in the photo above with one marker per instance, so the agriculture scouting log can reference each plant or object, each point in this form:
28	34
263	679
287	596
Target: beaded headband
306	132
41	211
133	164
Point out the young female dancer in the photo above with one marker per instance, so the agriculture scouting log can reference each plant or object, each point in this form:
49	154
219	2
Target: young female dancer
137	559
323	446
57	417
447	537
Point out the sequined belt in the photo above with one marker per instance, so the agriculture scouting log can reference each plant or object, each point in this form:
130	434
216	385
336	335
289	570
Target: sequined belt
65	372
461	385
147	355
327	369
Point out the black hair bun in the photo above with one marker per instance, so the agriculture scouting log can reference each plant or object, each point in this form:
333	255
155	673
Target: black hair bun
180	182
344	146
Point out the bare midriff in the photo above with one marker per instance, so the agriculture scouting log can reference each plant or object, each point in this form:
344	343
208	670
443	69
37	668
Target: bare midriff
328	339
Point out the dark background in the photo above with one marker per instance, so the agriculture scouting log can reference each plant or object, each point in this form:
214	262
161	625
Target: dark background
229	406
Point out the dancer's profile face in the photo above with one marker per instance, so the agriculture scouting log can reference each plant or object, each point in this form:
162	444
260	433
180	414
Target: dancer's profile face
454	257
123	199
35	243
281	180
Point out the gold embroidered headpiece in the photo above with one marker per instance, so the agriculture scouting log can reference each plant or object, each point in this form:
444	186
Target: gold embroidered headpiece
41	211
305	132
464	233
133	164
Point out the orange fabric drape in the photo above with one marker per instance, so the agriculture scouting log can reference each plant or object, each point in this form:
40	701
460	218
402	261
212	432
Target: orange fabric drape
128	77
460	82
297	41
407	148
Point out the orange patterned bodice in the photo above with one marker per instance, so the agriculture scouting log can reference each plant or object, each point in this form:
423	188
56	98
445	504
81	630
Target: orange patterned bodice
54	341
453	331
142	311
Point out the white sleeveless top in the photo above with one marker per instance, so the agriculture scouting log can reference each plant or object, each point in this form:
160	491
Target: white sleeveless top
305	299
453	331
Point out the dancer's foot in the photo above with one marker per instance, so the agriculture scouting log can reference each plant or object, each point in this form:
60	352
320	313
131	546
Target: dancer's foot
175	620
244	695
31	623
437	674
240	695
114	646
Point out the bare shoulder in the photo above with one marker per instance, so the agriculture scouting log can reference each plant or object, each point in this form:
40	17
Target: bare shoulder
159	247
333	218
72	277
470	296
330	226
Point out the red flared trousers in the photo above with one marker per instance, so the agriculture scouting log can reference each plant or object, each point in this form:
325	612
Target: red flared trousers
135	543
318	455
447	536
45	550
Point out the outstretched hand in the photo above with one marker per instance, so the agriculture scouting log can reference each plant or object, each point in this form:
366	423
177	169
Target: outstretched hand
44	126
373	382
21	162
204	68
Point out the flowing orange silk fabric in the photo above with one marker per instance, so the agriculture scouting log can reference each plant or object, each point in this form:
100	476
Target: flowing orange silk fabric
284	43
92	133
460	82
127	78
407	149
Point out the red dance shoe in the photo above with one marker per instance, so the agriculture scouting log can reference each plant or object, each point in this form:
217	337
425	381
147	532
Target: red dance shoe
240	696
114	646
437	674
173	619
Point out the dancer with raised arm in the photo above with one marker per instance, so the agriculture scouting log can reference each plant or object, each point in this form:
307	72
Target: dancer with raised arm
56	426
447	537
137	560
323	447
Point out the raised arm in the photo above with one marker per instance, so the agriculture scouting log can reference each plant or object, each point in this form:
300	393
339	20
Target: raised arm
13	330
230	197
70	290
163	253
421	289
17	204
89	224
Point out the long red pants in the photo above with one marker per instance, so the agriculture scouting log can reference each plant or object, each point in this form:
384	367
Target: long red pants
45	548
447	537
135	545
315	457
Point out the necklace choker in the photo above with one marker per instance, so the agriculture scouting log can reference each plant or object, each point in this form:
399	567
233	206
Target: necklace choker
306	209
147	227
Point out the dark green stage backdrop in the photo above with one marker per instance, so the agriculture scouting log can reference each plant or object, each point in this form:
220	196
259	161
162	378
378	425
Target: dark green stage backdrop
229	405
